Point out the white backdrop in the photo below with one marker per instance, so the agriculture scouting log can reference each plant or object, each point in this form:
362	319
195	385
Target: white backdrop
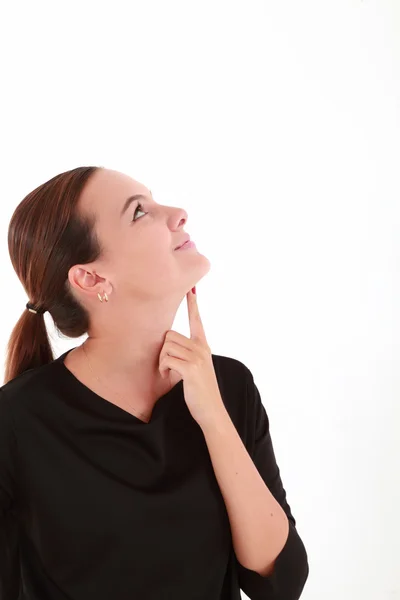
277	127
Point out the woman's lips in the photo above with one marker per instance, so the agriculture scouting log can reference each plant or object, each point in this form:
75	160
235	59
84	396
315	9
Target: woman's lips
188	244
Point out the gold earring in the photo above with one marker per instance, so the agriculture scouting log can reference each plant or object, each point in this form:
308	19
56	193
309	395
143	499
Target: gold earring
105	297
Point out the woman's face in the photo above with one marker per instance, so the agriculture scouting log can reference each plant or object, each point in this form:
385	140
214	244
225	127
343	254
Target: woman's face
139	260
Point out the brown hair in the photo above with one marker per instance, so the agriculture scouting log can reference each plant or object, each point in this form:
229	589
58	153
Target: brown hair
46	237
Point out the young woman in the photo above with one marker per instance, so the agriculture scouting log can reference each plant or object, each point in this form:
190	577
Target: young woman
137	464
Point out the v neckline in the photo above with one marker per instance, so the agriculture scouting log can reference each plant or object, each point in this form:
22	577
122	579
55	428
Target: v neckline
107	404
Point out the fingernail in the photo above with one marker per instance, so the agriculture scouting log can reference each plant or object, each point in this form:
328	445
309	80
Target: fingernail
194	289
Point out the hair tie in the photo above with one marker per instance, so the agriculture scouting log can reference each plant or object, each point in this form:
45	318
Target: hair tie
32	309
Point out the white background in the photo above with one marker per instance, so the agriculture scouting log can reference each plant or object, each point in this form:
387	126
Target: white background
276	125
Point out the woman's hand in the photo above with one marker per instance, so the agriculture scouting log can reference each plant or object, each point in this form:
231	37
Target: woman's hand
192	359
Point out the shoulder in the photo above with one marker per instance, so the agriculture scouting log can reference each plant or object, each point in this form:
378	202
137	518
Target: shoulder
236	385
29	384
231	370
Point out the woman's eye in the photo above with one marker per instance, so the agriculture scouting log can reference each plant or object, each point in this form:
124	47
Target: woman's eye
138	206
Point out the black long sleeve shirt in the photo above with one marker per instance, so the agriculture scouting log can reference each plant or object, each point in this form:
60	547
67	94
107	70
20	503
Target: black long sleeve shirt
96	504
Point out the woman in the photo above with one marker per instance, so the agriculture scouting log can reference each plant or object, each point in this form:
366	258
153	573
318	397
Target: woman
127	463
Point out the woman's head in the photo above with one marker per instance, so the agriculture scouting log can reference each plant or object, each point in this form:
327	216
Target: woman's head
138	263
70	240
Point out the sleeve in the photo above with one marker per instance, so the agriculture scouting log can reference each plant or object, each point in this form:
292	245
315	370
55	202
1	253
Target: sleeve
9	547
287	580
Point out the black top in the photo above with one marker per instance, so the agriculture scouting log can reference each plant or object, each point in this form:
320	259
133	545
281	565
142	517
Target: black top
96	504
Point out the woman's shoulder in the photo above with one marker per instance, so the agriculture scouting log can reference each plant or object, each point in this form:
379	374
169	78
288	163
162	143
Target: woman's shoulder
231	368
30	383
